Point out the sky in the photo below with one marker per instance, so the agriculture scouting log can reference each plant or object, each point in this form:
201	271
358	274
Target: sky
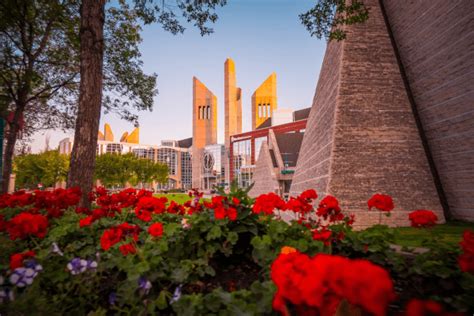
261	36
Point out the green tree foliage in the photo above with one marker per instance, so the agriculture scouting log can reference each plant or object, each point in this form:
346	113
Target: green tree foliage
327	17
118	170
46	168
100	46
40	67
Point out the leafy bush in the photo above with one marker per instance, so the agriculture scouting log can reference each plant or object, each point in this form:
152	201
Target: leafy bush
139	254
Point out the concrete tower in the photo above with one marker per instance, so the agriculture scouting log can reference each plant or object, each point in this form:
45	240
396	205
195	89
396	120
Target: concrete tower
233	110
108	135
361	137
264	101
204	125
233	102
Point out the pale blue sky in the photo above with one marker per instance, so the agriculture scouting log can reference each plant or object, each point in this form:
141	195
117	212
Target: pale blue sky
261	36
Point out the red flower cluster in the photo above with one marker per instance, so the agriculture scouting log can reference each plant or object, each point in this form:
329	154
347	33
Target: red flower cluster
16	260
309	195
267	203
323	235
222	208
317	285
114	235
54	202
156	229
193	206
466	260
195	193
27	224
329	208
127	249
17	199
150	205
422	218
175	208
381	202
303	203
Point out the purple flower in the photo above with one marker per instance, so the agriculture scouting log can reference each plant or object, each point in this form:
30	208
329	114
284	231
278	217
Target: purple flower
78	265
144	285
6	294
24	276
112	298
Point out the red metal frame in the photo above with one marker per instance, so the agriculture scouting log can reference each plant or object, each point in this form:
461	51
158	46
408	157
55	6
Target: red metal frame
252	135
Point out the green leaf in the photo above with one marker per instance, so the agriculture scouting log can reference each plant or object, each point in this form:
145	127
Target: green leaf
232	237
161	301
214	233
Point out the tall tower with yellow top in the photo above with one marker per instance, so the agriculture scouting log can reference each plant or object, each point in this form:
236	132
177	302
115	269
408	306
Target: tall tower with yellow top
264	101
232	102
204	125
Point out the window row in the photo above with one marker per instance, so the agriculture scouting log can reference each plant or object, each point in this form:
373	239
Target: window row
264	110
204	112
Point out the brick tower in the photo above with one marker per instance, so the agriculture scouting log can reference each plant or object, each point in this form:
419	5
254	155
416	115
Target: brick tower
264	101
233	108
204	125
361	137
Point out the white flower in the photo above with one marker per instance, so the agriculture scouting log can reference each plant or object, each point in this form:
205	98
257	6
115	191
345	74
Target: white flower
176	294
56	249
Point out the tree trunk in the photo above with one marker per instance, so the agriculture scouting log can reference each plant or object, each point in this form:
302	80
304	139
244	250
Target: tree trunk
11	136
90	98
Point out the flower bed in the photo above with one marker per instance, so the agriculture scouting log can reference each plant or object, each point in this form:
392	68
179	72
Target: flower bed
139	254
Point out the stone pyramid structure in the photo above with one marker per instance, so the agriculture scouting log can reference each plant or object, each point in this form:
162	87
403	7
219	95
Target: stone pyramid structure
361	137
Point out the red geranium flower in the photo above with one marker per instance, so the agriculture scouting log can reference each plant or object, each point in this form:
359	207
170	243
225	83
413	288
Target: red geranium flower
381	202
329	208
175	208
111	237
323	235
16	260
232	213
26	224
422	218
235	201
87	221
219	212
156	229
466	260
309	195
267	203
316	286
127	249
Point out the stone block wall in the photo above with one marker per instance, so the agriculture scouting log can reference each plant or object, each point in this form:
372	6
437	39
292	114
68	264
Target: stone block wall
435	40
361	137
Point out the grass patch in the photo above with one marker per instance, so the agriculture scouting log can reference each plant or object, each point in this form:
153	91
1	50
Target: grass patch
179	198
449	233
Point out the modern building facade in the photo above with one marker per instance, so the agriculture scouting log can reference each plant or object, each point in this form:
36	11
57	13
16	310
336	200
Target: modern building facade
204	127
276	164
264	101
175	154
246	147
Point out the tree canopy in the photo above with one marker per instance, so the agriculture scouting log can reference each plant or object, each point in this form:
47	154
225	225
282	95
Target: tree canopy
327	17
118	170
47	168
